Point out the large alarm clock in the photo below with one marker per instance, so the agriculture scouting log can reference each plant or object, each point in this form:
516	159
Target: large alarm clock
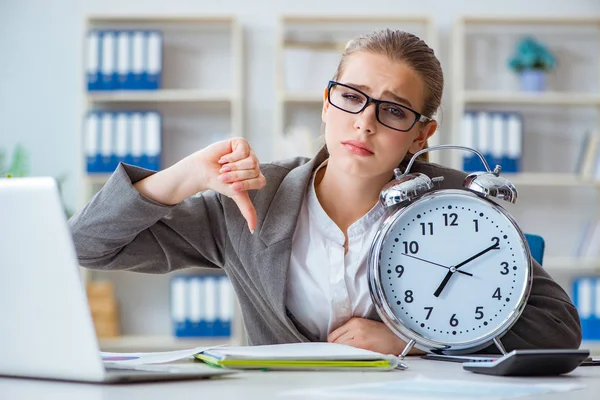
449	269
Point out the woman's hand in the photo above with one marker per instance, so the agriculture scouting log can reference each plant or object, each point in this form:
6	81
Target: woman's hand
369	335
228	167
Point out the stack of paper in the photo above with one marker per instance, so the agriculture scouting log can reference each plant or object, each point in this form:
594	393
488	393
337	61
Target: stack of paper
299	356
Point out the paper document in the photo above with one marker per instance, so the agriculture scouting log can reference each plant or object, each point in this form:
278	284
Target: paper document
150	358
299	356
435	389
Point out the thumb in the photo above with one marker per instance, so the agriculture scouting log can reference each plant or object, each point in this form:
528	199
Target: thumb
247	208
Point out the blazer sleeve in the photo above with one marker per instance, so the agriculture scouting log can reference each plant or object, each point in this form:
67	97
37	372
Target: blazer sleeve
549	320
120	229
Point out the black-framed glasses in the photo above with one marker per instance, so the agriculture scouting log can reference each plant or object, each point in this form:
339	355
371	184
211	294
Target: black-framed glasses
393	115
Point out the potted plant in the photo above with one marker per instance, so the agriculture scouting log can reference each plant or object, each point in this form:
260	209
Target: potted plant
532	61
18	167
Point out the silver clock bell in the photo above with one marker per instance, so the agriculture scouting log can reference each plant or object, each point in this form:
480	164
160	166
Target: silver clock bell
407	187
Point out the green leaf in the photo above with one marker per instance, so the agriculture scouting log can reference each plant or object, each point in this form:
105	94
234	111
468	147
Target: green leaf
20	162
3	169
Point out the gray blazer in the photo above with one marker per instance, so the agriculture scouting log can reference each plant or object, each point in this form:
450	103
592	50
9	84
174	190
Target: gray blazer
119	229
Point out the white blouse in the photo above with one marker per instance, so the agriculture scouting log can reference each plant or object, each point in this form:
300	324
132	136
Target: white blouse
325	288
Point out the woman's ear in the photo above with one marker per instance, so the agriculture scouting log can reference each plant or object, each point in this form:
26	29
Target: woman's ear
424	133
325	105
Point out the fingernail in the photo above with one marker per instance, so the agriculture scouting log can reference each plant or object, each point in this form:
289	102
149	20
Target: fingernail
222	160
224	178
225	168
252	231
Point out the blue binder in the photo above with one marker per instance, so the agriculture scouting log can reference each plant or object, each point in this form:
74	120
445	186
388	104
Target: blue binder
152	141
586	290
124	56
201	306
514	153
94	58
92	142
179	289
108	70
153	61
138	48
471	162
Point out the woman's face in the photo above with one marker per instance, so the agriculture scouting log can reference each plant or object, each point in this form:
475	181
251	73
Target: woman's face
358	143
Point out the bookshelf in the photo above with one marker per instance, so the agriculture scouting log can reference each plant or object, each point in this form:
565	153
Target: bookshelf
200	101
201	98
555	201
309	48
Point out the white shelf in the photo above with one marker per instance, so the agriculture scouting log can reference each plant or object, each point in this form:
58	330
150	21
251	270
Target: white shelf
163	95
568	264
523	98
135	343
161	19
549	179
522	20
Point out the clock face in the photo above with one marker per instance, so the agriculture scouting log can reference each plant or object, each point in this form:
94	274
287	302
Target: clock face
452	268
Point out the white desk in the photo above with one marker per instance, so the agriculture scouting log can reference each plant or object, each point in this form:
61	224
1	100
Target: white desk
268	385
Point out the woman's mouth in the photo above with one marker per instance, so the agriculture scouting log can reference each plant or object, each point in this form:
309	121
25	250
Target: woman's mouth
358	148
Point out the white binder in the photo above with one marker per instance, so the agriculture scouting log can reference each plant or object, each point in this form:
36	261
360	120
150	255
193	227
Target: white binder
210	306
137	62
106	141
91	143
108	65
123	60
152	141
137	138
93	60
195	301
121	138
154	60
179	289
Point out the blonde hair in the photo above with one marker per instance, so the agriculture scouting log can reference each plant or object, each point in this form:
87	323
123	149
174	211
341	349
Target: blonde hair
407	48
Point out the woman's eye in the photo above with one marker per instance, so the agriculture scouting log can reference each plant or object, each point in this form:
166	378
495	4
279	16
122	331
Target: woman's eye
395	111
352	97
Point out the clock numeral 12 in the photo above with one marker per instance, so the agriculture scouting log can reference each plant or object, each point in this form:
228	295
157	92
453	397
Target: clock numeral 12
450	219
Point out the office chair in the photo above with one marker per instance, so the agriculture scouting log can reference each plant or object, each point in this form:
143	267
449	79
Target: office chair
536	246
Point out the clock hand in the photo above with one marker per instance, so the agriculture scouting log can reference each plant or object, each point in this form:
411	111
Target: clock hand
431	262
495	246
444	282
454	269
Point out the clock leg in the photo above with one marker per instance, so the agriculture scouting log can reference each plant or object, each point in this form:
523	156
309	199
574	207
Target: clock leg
407	349
499	345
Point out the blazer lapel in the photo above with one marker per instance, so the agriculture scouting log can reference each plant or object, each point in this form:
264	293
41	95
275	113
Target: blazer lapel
277	232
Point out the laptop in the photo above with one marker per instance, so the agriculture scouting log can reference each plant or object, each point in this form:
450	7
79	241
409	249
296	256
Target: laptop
46	328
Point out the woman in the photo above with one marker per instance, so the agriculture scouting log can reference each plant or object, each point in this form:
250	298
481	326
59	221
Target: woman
293	236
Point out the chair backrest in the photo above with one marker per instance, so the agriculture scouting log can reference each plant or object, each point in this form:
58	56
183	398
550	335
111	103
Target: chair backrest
536	246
